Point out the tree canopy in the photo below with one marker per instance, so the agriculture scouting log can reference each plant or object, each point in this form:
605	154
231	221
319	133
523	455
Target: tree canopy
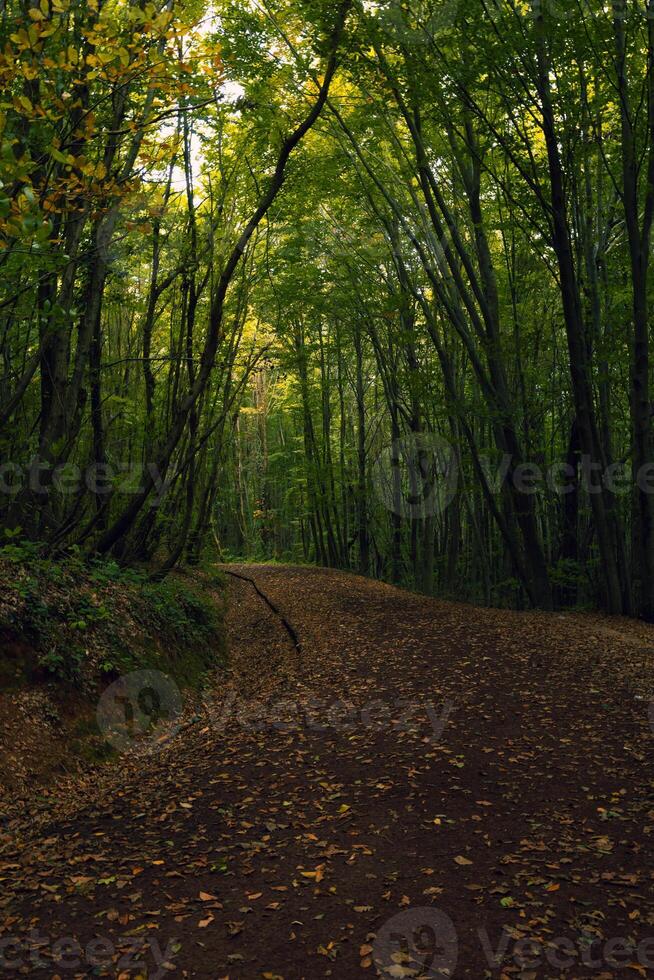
358	283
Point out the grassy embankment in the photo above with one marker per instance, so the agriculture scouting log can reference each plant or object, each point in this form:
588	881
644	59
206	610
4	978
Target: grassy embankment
68	629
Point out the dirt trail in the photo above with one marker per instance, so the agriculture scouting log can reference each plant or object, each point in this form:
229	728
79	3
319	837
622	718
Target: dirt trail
420	784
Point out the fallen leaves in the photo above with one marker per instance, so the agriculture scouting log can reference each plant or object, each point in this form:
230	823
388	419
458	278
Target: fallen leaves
365	956
316	875
273	822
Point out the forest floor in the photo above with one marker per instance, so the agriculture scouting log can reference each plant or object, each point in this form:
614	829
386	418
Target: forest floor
419	789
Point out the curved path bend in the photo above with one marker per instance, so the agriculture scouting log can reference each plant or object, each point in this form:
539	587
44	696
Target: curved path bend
419	789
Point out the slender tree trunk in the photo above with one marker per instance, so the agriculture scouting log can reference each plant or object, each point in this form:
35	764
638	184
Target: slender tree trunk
577	345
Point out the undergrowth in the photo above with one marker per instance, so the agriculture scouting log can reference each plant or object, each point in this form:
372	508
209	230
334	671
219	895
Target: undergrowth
83	621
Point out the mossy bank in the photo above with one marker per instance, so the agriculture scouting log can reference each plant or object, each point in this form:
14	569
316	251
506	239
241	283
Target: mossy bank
69	627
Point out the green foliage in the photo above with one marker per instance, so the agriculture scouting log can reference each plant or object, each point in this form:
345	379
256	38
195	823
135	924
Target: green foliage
86	620
174	606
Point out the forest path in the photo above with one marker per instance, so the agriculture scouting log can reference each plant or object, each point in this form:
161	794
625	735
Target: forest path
423	784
